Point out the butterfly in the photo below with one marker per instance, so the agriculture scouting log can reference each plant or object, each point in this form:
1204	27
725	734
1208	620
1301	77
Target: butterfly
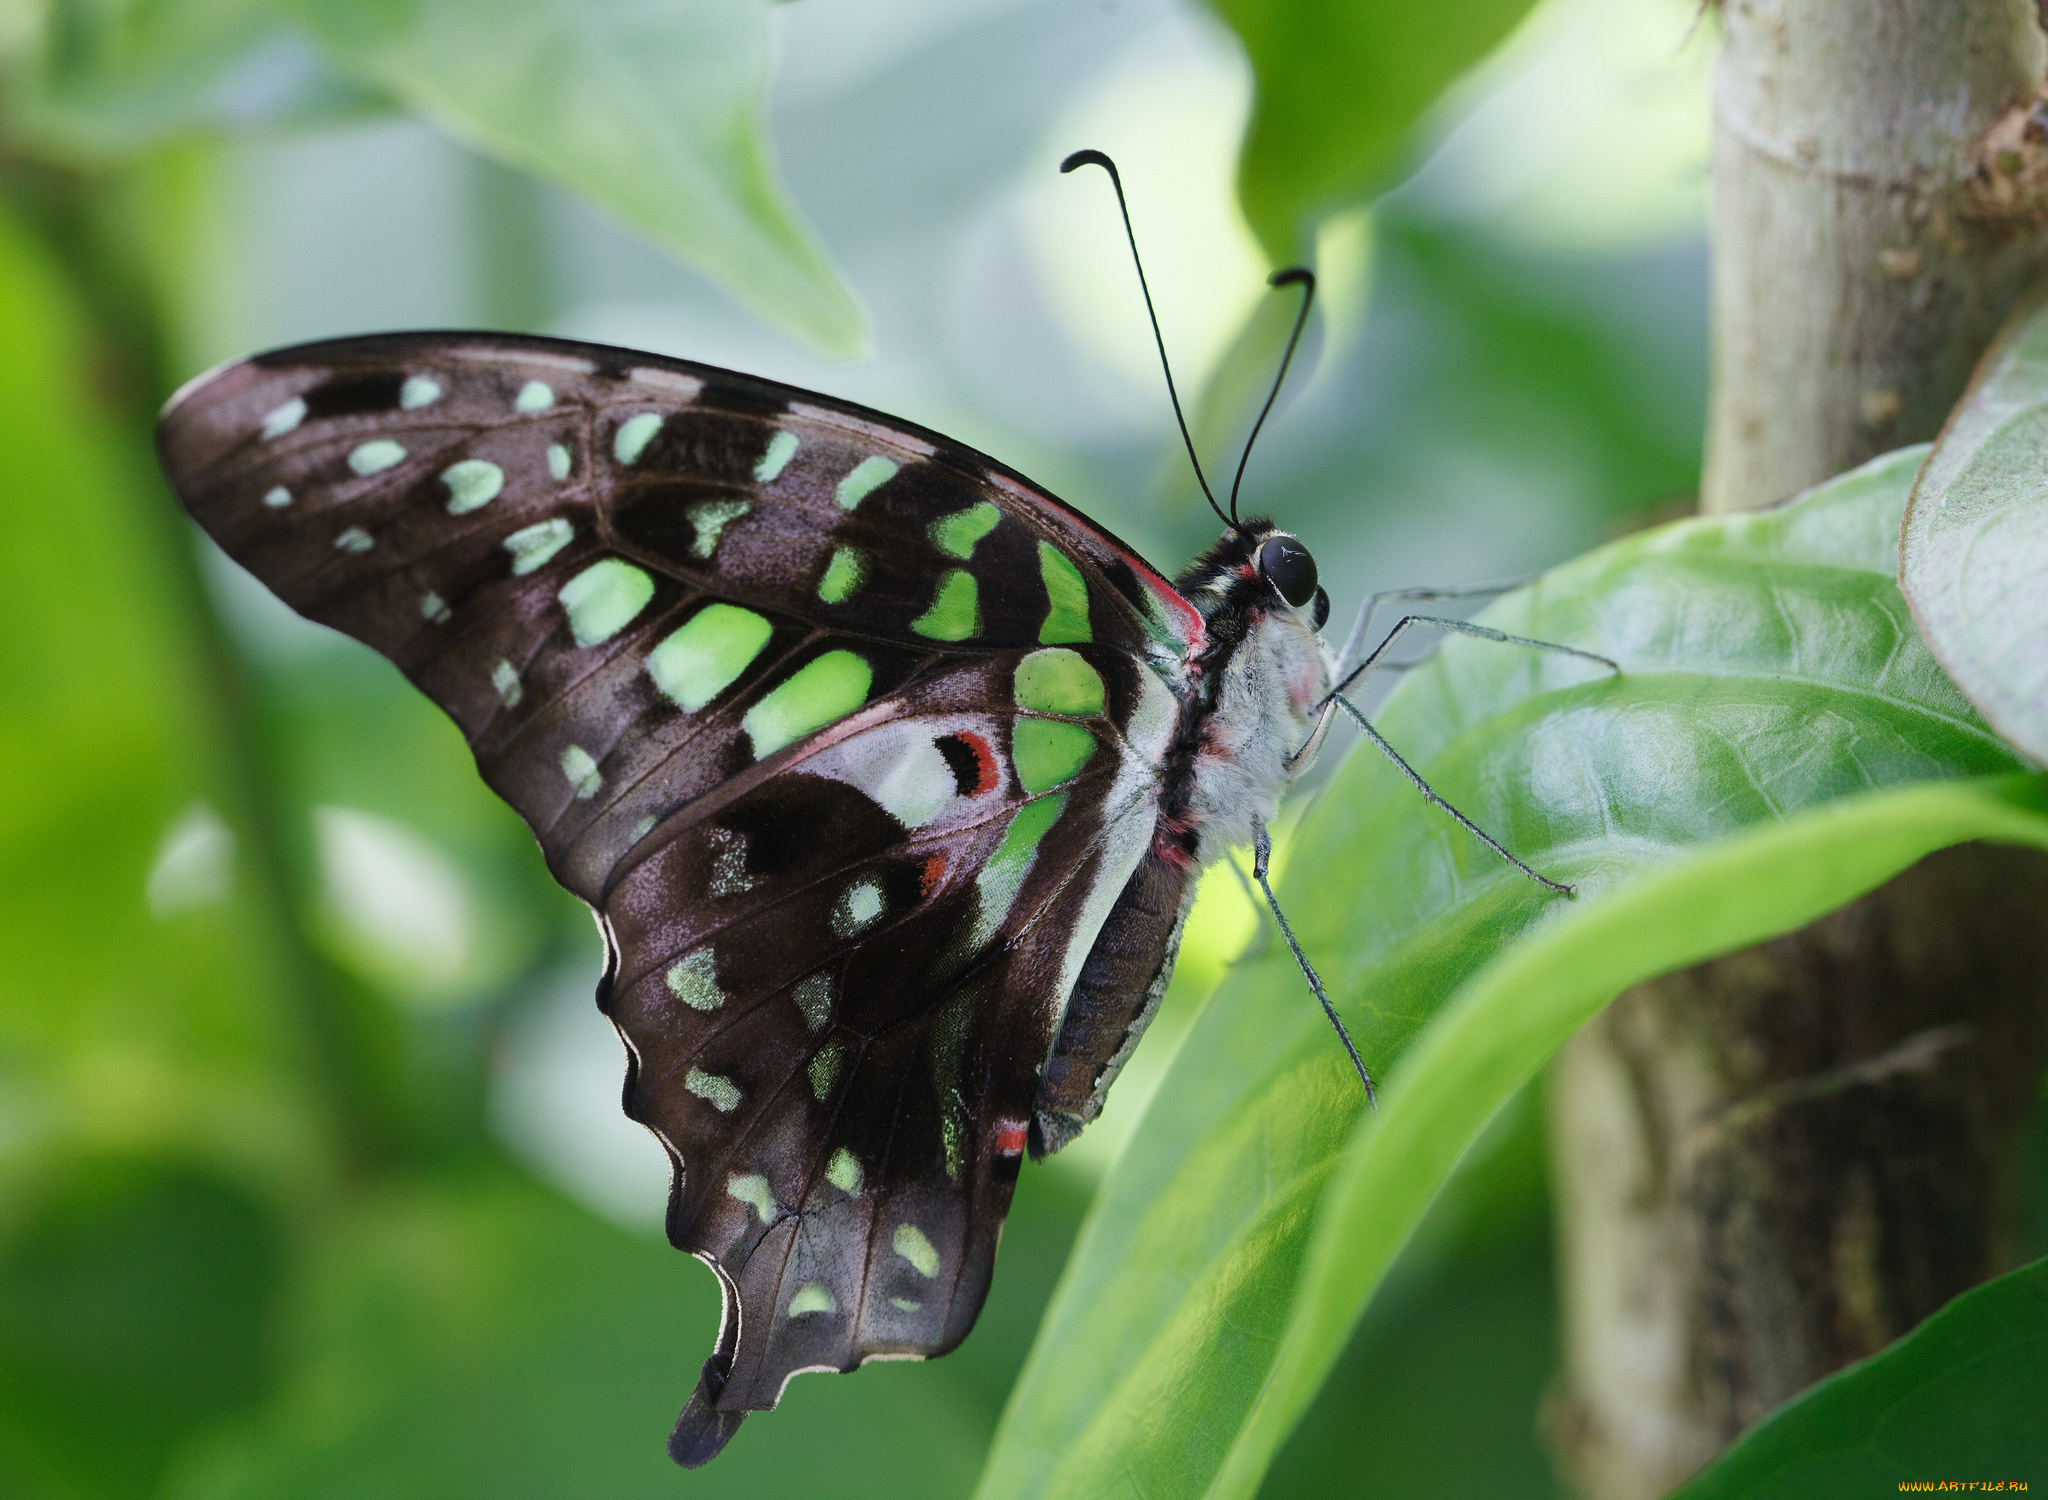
887	775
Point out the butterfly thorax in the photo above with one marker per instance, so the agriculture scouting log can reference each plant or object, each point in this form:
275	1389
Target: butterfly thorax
1248	705
1259	680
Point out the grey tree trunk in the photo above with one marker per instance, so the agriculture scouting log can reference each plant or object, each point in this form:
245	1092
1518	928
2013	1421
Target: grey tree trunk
1775	1163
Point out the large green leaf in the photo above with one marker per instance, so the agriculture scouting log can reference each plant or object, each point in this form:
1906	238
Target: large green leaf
1976	541
104	78
154	1105
1770	668
1960	1398
653	111
1340	85
469	1333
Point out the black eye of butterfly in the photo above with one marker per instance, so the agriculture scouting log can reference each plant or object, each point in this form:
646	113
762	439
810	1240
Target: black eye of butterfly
1319	613
1286	564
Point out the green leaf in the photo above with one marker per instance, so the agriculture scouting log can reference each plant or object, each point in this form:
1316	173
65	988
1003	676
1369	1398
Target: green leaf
110	79
471	1334
1958	1398
1976	539
1703	799
154	1108
653	111
136	1303
1340	85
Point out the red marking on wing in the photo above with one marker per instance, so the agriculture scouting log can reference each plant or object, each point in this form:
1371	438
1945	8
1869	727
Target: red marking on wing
1191	625
1010	1137
985	773
934	871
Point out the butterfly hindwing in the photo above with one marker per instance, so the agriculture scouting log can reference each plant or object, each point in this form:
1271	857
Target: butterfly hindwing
851	737
849	1095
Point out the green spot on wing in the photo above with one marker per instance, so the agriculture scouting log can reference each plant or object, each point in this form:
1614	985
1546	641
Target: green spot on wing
472	483
1049	751
722	1094
375	457
912	1244
633	436
581	769
709	518
814	999
751	1188
694	982
843	1171
1066	595
535	395
843	575
781	449
532	546
1001	878
955	614
828	688
957	534
706	655
1057	681
824	1068
604	598
867	476
558	461
812	1297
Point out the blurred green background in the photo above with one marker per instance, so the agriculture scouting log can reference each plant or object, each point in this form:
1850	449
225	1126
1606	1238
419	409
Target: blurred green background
312	1175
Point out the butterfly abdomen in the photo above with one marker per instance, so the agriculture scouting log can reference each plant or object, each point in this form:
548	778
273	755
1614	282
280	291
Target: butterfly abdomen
1114	1000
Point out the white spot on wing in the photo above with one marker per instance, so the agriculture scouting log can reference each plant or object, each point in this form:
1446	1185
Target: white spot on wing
558	461
355	539
433	607
534	396
859	909
729	876
418	391
899	765
891	436
285	418
277	497
682	387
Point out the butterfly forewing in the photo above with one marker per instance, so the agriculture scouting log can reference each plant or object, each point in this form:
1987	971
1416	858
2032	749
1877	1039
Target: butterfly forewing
850	735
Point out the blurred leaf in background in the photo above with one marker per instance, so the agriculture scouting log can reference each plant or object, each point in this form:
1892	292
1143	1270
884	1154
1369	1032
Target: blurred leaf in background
1341	84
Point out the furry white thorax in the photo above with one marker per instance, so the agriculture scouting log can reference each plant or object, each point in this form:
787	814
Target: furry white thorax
1265	711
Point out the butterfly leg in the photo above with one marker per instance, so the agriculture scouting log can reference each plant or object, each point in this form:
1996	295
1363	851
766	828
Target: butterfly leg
1374	601
1262	851
1463	627
1261	939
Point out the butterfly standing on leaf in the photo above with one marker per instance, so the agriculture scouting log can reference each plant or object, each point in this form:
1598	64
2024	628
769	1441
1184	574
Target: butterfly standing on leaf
886	774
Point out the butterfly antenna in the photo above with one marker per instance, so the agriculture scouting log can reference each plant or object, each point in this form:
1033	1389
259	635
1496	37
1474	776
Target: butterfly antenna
1099	159
1306	279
